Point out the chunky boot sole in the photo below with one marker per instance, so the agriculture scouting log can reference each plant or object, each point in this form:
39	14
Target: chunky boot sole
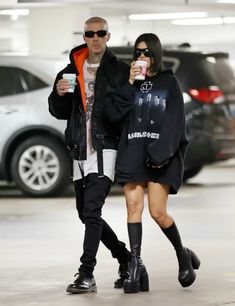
195	261
118	284
137	286
144	282
186	282
76	290
194	264
131	286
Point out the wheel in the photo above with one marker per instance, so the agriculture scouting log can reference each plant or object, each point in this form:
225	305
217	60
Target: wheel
41	167
188	173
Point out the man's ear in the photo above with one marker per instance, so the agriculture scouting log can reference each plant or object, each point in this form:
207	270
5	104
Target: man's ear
108	36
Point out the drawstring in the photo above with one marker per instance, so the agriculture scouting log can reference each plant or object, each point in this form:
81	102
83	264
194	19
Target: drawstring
83	177
100	140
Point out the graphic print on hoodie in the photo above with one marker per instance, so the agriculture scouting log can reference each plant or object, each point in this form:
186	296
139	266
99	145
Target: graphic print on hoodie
150	104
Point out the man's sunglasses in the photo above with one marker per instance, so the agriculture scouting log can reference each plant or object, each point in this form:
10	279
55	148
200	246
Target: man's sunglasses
100	33
145	51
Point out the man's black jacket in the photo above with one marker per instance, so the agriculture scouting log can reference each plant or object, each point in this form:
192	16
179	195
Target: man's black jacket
111	73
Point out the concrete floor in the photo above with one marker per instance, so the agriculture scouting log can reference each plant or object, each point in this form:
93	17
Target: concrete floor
41	244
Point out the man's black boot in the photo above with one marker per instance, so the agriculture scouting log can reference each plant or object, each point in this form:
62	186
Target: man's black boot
84	283
123	273
123	257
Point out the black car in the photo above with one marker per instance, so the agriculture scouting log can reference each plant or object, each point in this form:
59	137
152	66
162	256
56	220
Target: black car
32	149
208	85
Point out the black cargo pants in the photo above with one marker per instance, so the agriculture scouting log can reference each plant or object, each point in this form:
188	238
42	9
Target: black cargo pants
91	192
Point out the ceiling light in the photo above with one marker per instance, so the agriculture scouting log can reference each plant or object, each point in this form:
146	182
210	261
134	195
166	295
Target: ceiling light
198	21
226	1
204	21
167	16
14	17
19	12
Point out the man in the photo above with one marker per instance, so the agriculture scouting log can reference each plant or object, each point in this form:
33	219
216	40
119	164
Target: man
92	144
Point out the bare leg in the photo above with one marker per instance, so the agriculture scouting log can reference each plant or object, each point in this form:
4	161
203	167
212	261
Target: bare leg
138	277
187	259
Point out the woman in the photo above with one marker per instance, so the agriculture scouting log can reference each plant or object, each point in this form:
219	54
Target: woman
151	155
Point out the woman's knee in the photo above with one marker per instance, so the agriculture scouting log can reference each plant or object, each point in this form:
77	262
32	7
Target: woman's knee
133	207
159	216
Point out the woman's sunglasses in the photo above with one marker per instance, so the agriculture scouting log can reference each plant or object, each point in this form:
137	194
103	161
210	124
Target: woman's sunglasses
145	51
100	33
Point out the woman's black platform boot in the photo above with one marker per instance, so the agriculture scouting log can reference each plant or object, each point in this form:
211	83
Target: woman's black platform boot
137	275
188	262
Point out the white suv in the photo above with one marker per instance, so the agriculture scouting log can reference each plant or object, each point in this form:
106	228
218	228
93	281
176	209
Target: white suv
32	149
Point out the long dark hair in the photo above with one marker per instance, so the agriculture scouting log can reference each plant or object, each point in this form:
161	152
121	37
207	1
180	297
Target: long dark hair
154	45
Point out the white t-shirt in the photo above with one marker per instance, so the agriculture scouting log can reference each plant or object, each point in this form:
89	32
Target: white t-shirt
109	156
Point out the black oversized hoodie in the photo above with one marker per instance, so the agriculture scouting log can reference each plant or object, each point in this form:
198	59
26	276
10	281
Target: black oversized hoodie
153	130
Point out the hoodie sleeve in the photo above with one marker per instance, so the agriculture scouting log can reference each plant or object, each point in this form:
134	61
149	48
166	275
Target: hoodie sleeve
118	103
60	106
172	128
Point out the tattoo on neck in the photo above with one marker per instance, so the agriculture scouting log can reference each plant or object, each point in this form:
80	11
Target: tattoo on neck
95	59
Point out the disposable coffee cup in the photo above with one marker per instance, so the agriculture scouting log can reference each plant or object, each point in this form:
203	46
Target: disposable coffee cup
143	67
71	78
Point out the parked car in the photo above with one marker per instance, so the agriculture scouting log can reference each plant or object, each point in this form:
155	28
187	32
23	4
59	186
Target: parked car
32	150
208	85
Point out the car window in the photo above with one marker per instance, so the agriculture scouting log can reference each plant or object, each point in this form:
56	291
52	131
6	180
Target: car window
16	80
220	70
211	71
127	58
170	63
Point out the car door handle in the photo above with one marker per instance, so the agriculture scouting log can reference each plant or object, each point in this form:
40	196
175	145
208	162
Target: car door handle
7	110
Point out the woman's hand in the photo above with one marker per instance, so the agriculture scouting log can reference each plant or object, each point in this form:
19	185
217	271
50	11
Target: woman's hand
134	70
150	164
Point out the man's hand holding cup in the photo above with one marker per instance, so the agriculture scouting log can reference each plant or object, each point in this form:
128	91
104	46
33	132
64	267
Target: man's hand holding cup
67	84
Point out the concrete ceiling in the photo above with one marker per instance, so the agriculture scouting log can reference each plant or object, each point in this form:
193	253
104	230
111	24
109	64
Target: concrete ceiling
124	8
160	6
120	7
